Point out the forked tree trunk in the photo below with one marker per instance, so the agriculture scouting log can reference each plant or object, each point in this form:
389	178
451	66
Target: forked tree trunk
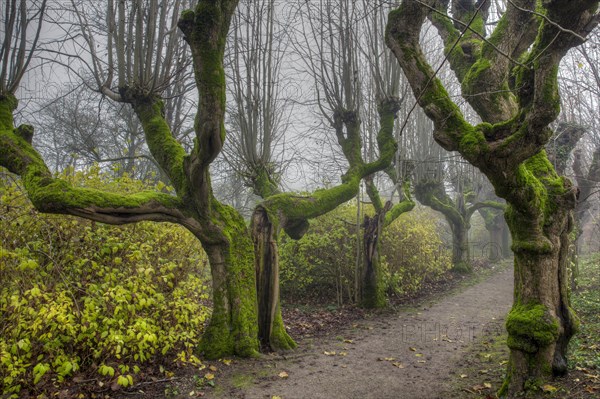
541	322
271	330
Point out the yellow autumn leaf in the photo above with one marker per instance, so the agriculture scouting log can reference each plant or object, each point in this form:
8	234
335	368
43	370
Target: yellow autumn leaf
332	353
549	388
342	353
283	374
399	365
212	368
276	397
226	362
463	376
418	354
348	341
487	385
413	349
209	376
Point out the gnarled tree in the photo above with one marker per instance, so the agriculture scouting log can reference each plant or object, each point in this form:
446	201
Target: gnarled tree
137	62
510	80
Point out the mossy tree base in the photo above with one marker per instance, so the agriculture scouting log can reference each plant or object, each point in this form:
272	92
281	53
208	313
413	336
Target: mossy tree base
541	322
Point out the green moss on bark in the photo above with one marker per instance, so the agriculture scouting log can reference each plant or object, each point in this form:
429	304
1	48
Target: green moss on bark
530	327
8	103
280	339
164	148
233	328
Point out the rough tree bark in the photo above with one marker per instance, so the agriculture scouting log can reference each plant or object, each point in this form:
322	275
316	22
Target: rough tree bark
220	229
517	100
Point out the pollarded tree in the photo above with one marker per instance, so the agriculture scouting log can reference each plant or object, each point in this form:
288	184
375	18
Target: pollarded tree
290	211
510	80
331	50
140	60
382	82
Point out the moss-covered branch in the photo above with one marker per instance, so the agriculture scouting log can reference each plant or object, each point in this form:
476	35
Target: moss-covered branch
433	194
205	29
53	195
401	207
291	208
402	37
165	149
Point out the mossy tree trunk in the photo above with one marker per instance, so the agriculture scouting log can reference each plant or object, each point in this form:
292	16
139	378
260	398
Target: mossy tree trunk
517	100
232	329
271	329
461	253
541	322
372	292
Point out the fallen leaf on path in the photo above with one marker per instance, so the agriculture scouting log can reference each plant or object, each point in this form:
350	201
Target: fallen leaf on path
209	376
283	374
342	353
463	376
399	365
348	341
413	349
226	362
418	354
332	353
487	385
213	368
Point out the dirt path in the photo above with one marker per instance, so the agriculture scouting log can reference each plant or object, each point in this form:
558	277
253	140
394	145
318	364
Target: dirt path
411	354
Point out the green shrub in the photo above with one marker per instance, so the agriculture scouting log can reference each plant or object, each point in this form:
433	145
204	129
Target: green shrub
414	251
82	296
322	265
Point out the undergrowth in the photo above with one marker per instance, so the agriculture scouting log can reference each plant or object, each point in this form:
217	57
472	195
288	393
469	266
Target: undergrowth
83	298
